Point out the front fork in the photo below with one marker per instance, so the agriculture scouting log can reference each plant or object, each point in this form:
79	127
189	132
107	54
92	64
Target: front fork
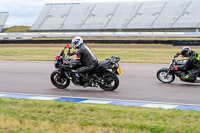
63	73
167	73
169	70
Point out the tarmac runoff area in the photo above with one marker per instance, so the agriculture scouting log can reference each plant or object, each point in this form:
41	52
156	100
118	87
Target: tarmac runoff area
138	87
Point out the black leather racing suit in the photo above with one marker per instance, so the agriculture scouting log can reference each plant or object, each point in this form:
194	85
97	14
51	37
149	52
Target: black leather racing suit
86	57
193	63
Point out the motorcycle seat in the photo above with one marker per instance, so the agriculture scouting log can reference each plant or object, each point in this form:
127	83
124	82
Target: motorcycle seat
102	63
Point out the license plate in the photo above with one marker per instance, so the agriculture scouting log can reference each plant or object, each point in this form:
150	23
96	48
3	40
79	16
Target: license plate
119	70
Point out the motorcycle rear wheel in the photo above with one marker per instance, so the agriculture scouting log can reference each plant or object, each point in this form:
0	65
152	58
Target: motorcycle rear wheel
111	82
163	77
59	81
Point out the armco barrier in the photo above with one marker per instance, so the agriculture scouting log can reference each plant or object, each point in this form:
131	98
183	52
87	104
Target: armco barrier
63	41
187	43
103	41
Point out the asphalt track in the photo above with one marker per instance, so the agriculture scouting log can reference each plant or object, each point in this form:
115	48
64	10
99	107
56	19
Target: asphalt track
138	82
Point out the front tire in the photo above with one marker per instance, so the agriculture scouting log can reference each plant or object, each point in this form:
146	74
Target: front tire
110	83
59	80
164	76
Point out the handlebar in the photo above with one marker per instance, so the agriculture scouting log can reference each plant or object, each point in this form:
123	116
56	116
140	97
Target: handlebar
175	56
115	59
69	51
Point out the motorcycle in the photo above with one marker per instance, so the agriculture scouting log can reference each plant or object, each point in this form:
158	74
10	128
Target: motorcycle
104	75
167	75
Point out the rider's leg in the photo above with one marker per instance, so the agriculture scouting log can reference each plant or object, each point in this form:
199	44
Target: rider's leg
85	78
182	76
192	75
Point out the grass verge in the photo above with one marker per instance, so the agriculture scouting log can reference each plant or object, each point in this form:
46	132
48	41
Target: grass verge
23	115
17	29
128	55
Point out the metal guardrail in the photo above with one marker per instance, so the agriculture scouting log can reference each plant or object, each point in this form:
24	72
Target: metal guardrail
27	38
105	41
187	43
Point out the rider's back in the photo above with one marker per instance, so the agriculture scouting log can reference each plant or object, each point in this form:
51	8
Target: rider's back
86	56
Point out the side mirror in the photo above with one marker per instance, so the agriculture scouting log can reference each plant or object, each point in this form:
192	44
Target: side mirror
67	46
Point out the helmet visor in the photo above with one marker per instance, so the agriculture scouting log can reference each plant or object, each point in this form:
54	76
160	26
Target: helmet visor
74	44
185	53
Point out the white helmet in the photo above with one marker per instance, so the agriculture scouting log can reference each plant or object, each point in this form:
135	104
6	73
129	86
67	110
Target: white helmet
76	42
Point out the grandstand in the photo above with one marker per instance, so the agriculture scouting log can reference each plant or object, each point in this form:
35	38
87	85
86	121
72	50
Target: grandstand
123	16
3	17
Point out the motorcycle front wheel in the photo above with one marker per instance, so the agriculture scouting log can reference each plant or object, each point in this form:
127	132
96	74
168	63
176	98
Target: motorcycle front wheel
58	80
164	76
110	82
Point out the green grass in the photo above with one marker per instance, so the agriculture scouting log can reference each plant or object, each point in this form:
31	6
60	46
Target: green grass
131	44
22	115
17	29
128	55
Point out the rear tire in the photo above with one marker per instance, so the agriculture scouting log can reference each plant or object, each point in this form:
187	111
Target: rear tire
161	76
59	81
111	82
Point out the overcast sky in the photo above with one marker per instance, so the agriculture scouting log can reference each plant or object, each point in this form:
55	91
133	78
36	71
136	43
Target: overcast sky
25	12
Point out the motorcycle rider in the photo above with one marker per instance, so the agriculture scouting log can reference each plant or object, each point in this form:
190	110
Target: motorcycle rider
193	63
84	56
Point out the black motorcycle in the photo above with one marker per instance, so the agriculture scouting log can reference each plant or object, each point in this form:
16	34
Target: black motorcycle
104	75
167	75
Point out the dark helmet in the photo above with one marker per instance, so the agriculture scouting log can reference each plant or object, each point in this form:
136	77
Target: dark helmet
185	51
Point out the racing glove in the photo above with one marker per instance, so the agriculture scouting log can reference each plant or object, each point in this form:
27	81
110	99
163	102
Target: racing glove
73	53
175	67
177	54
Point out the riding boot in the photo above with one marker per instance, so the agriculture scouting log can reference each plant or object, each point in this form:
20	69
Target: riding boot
182	76
187	78
86	79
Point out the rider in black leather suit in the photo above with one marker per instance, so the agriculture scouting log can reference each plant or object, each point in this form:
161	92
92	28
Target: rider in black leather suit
84	56
193	62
